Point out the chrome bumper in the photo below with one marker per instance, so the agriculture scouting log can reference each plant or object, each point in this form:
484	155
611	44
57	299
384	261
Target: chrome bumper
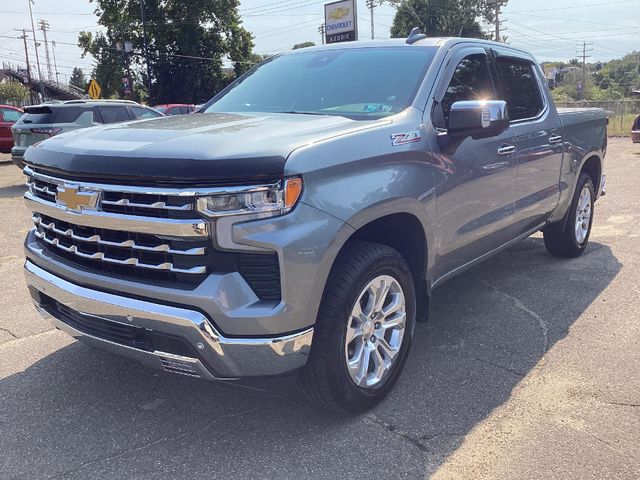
217	358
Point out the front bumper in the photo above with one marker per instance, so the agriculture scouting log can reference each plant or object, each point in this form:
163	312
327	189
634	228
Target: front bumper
213	357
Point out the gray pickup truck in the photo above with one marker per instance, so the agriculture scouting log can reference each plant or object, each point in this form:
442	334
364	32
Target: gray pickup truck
300	221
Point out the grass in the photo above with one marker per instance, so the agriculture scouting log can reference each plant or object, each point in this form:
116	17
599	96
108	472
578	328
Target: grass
621	127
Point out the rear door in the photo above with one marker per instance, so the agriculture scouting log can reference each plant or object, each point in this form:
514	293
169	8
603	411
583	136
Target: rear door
475	198
538	137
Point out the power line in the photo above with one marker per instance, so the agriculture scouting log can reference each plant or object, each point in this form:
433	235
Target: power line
284	8
573	20
571	7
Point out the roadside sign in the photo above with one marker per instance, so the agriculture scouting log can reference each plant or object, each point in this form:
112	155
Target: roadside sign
126	85
341	21
94	90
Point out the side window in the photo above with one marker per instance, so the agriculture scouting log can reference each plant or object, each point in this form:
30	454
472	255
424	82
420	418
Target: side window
113	113
520	88
68	114
9	115
470	81
140	112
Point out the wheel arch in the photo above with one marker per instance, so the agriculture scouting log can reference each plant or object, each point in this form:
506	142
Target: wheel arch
404	232
592	166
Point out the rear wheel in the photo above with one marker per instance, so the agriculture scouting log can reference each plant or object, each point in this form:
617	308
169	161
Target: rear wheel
572	240
363	331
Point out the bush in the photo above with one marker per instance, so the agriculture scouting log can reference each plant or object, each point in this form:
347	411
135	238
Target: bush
13	92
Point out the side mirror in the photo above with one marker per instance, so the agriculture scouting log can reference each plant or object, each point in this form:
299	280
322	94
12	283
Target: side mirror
478	118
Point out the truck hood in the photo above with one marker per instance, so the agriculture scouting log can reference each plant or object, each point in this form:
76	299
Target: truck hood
198	148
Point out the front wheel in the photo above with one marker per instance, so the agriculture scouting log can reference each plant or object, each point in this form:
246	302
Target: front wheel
572	240
363	330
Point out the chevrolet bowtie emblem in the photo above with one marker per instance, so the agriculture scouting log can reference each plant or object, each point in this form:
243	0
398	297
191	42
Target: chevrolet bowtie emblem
74	199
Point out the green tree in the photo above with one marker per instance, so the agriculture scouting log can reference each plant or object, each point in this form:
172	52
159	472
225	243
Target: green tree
441	18
303	45
187	42
78	79
13	92
622	75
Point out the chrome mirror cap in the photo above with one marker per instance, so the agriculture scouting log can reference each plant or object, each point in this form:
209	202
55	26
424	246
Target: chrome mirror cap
478	118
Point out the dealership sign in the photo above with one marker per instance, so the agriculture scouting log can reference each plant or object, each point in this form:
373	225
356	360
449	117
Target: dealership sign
340	21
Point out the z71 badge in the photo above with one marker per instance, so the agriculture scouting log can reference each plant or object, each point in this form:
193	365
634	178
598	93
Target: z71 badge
403	138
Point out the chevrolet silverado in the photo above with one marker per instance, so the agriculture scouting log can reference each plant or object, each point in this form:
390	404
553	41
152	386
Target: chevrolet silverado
300	222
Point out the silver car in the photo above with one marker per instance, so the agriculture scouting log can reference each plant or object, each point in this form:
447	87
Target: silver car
40	122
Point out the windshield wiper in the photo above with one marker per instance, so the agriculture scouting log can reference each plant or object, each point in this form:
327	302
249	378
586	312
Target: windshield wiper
302	113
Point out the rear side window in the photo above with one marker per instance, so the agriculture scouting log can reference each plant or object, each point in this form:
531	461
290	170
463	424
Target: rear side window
112	114
140	112
9	115
520	88
68	114
38	115
470	81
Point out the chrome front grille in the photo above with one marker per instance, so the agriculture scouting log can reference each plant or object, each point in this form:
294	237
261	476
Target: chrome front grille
148	204
69	232
144	252
138	233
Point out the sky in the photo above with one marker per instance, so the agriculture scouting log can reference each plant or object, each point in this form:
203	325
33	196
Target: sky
551	29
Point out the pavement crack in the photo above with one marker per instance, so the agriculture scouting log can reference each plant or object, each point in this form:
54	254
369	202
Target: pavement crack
515	372
151	443
432	436
620	404
521	306
9	332
398	433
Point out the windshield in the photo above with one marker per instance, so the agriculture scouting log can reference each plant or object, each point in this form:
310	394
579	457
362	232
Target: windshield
357	83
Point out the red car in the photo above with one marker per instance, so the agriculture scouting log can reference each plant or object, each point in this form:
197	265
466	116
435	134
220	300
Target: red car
8	116
175	108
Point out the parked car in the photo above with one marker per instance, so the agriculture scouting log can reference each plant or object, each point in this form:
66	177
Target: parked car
176	108
635	130
8	116
300	223
40	122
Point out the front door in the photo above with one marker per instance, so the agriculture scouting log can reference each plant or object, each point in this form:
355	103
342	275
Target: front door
476	176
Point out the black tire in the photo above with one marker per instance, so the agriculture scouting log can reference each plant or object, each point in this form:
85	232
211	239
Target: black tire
325	379
562	241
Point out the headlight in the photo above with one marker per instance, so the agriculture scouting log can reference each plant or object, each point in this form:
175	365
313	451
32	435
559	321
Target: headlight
268	200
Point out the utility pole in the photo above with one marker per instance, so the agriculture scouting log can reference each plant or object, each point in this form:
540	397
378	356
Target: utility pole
371	4
44	26
321	32
146	52
497	4
55	64
35	42
584	57
26	55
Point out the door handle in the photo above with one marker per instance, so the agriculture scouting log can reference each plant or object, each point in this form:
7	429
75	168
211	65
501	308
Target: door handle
555	139
506	150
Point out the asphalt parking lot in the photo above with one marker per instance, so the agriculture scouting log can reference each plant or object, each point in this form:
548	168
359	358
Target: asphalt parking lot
528	368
